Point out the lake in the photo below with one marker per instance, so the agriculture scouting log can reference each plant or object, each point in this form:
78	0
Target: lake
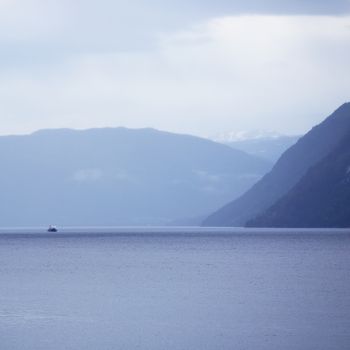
174	289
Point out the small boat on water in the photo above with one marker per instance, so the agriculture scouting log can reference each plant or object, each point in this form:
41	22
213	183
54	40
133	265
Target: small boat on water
52	229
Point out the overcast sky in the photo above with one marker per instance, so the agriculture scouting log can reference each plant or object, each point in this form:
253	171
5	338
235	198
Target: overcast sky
191	66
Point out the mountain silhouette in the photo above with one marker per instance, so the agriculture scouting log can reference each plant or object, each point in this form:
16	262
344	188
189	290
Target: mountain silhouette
287	172
118	176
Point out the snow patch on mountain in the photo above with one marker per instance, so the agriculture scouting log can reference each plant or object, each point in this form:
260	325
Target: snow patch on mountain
234	136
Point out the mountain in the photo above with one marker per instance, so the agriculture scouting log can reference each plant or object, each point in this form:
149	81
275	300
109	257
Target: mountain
234	136
287	172
320	199
269	148
117	176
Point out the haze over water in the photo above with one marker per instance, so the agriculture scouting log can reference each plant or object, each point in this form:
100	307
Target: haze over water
204	289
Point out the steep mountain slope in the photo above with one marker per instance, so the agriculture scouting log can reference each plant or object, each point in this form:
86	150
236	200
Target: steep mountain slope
320	199
289	169
269	148
117	176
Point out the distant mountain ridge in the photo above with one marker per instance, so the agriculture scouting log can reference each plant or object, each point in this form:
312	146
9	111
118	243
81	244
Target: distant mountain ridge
117	176
269	148
239	136
287	172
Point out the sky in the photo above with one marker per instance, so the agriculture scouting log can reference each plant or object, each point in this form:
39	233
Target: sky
188	66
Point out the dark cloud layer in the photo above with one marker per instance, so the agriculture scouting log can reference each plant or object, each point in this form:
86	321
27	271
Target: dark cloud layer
307	7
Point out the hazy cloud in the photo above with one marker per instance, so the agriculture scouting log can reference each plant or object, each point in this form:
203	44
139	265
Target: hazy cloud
172	65
206	177
87	175
49	28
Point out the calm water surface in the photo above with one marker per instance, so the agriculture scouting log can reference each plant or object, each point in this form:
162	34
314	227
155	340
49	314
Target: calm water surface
174	289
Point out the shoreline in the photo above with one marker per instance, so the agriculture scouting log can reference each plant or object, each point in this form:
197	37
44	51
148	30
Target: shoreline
104	231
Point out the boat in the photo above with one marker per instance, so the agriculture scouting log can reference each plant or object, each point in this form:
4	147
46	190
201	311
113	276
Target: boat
52	228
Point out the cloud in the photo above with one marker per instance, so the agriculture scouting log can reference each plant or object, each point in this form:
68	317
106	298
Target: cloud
115	25
281	73
30	20
87	175
207	177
